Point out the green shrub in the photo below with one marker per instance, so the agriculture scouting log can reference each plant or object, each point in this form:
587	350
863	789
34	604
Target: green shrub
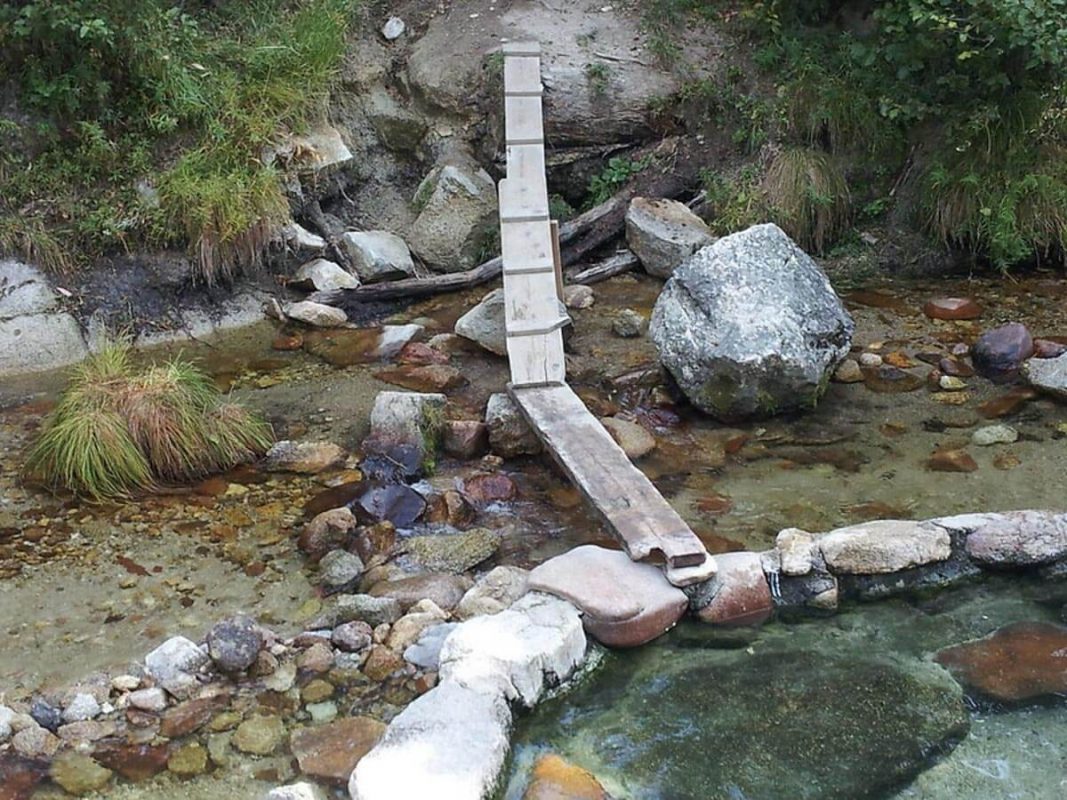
128	90
118	429
613	177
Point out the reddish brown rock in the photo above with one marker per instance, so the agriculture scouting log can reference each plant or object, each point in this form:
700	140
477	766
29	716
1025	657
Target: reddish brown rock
377	539
184	718
952	308
951	461
738	594
459	511
999	353
287	341
623	604
134	762
381	663
334	497
466	438
899	359
554	778
1047	348
328	531
330	752
1007	404
955	368
19	777
495	487
429	378
887	379
420	355
1021	661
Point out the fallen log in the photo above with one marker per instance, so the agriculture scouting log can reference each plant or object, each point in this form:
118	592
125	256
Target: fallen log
674	169
621	262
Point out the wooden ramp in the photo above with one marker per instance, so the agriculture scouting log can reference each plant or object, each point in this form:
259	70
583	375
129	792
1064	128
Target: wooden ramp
535	315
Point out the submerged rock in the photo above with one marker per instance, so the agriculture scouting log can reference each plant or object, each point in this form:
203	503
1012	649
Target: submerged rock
999	353
778	723
750	326
329	753
234	643
555	778
1048	375
78	774
1021	661
455	552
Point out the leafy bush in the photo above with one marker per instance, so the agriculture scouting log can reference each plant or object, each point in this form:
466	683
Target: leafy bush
118	429
613	177
128	89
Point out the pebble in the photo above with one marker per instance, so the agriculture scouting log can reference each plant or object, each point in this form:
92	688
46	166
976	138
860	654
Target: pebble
82	707
628	324
340	568
234	643
578	296
870	360
322	712
317	658
950	383
78	774
951	461
848	371
393	28
282	679
125	683
995	434
6	718
188	760
46	715
35	742
352	637
219	748
259	735
317	691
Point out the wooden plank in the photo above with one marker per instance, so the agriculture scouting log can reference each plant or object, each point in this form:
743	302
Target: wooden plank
526	244
628	502
536	360
522	201
522	75
557	260
523	120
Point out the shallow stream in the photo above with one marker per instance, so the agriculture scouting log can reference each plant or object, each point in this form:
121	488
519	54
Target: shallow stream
92	587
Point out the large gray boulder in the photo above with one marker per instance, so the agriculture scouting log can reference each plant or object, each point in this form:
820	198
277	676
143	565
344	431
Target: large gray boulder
663	233
457	215
749	326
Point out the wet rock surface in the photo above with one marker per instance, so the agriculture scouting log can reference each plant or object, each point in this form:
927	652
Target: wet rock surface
1019	662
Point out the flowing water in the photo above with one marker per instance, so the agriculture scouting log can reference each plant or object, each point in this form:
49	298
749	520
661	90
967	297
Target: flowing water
92	587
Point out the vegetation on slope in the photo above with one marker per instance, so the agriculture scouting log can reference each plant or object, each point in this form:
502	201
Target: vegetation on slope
963	97
144	122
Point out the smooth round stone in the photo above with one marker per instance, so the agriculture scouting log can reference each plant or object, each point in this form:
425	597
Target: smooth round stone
995	434
999	353
848	371
955	367
952	308
234	643
951	461
950	383
78	774
870	360
555	778
259	735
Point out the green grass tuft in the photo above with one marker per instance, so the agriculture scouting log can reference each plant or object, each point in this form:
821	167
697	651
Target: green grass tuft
808	197
119	429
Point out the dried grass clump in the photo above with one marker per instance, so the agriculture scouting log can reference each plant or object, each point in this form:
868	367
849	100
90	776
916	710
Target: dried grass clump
118	428
808	197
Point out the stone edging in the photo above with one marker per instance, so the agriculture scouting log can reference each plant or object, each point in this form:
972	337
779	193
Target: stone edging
455	737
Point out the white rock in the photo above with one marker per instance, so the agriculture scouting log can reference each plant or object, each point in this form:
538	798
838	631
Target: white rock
493	592
319	149
394	337
125	683
378	255
151	699
870	360
300	238
81	708
393	28
450	742
38	342
518	650
578	296
995	434
795	548
884	546
316	314
23	290
296	791
7	716
1048	374
174	664
322	276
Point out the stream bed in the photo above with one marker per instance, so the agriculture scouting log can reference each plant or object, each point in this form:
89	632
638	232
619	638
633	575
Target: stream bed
87	587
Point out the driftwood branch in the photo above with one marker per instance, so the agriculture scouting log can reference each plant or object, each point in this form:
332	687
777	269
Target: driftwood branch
674	170
621	262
